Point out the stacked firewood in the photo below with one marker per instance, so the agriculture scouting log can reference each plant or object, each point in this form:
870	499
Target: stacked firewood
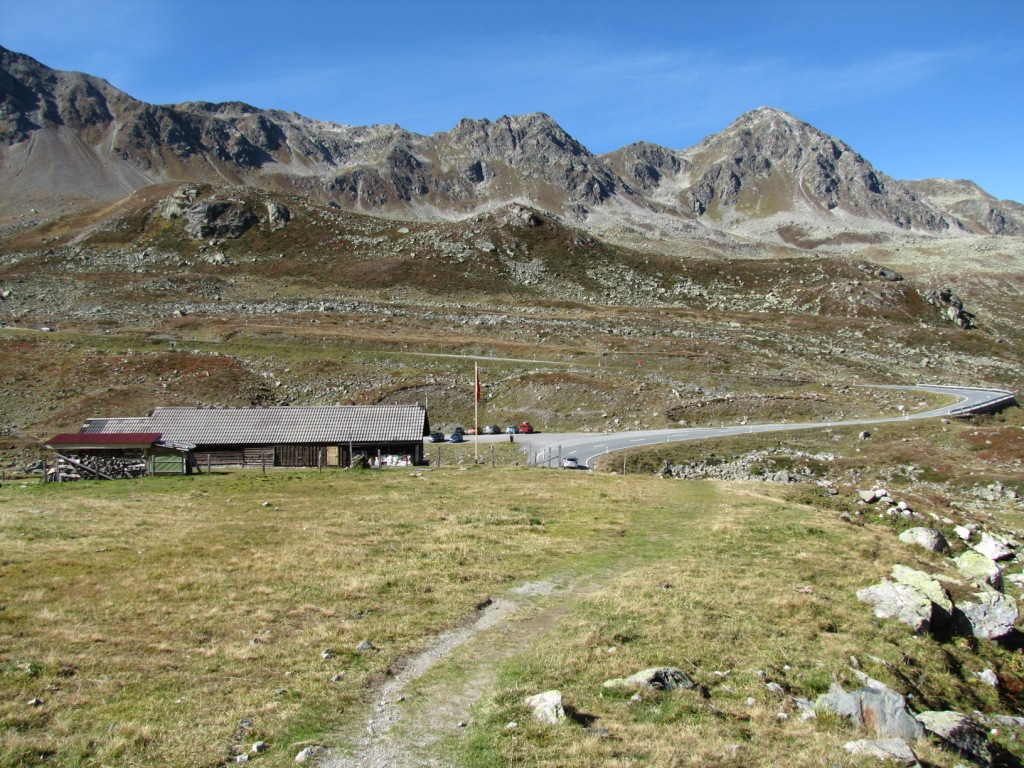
96	467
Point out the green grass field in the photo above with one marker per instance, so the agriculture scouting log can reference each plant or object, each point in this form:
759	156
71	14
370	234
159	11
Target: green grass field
153	618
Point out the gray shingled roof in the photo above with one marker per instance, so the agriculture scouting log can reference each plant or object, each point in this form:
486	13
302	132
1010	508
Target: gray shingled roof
282	425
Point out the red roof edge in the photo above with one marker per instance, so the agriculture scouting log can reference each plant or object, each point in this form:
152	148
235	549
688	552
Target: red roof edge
115	438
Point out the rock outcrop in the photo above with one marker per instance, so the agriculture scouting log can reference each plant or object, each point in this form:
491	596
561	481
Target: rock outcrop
988	615
960	733
901	602
927	538
219	218
974	565
876	707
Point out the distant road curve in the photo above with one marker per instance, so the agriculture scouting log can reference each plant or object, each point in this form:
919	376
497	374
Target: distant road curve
547	448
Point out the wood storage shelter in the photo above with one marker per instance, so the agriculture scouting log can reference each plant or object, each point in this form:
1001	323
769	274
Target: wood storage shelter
302	436
114	455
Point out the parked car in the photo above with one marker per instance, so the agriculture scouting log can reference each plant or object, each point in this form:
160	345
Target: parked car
525	428
460	430
456	438
570	462
511	429
436	437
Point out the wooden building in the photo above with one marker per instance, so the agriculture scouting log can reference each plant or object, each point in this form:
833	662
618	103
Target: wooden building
115	455
302	436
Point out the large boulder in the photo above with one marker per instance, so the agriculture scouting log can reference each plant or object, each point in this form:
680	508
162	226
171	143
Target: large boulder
978	567
989	615
942	606
959	732
661	678
901	602
875	706
277	215
928	538
219	218
547	707
873	495
993	548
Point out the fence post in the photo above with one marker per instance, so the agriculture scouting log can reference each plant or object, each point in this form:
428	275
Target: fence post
263	462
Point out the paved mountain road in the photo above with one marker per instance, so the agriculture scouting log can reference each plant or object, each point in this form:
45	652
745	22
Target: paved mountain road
546	449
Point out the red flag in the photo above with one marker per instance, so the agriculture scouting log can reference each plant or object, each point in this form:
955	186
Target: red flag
476	371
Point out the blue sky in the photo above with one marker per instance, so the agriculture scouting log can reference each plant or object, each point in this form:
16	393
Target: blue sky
920	88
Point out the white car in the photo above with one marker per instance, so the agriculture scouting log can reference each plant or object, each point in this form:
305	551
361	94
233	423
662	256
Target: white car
570	462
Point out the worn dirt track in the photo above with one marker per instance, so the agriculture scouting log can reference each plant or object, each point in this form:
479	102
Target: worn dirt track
400	731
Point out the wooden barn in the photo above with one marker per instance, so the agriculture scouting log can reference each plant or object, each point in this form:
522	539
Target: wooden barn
302	436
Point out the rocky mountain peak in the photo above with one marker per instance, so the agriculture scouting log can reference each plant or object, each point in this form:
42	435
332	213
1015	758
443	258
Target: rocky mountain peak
513	138
645	165
768	162
765	172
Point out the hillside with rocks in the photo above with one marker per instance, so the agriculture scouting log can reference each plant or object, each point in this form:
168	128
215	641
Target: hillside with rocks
236	246
757	600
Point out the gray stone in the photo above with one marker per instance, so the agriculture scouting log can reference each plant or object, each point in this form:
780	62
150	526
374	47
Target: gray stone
1017	579
894	750
547	707
875	706
928	538
990	615
988	677
309	753
993	548
661	678
1009	721
259	746
960	732
901	602
942	606
868	497
963	532
975	565
365	645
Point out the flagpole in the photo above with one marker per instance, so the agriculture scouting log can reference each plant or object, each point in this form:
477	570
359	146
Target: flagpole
476	413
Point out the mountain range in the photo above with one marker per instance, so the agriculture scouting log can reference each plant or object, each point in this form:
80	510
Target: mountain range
70	141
